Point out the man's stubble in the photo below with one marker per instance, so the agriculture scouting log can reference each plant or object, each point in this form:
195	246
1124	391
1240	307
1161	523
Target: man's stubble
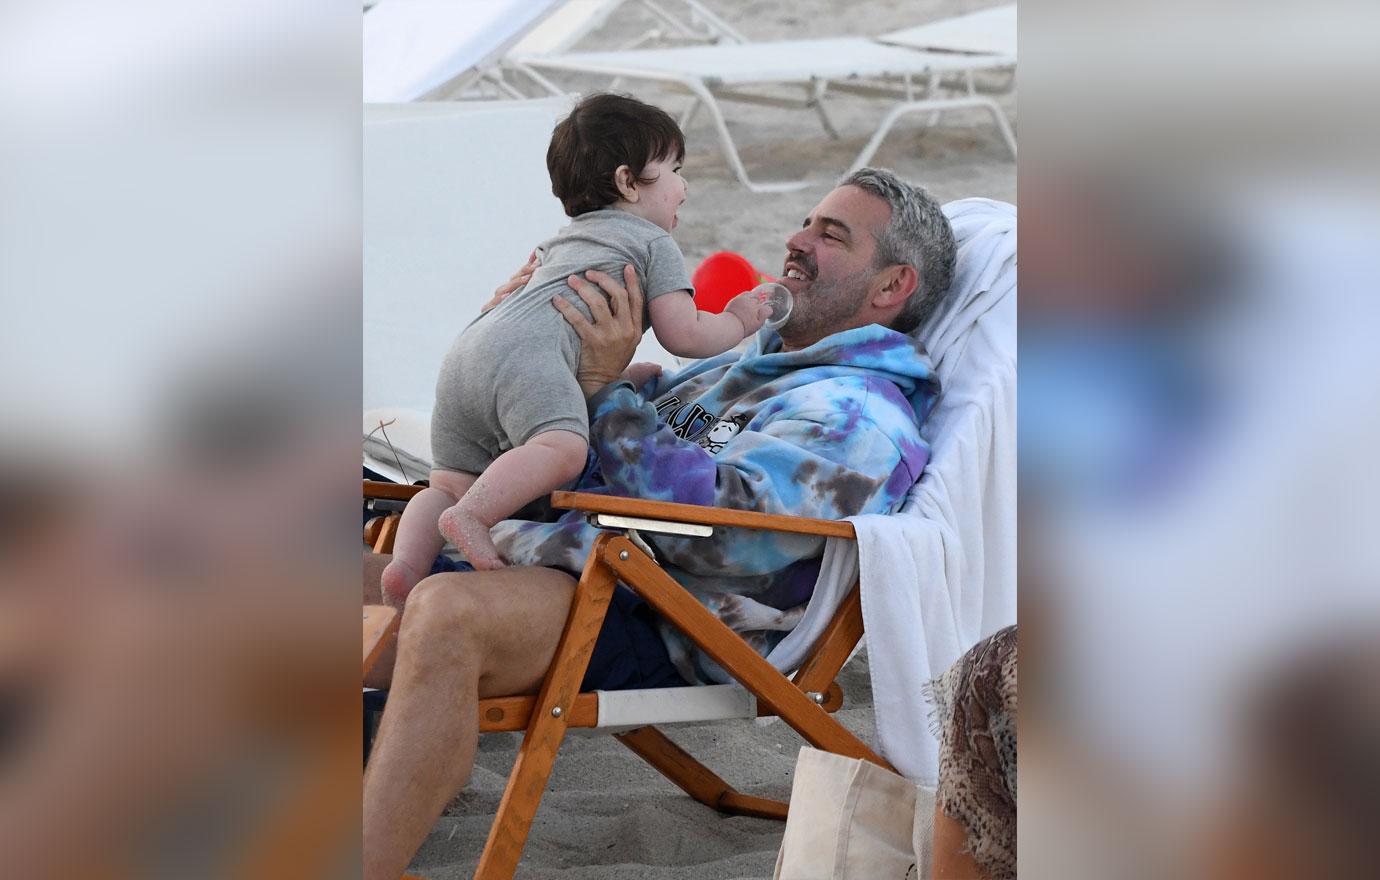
826	307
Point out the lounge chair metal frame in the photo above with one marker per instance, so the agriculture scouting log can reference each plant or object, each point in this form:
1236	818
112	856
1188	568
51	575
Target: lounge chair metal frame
711	74
804	701
566	26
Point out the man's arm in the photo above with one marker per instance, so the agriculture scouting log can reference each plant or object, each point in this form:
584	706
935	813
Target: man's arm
607	344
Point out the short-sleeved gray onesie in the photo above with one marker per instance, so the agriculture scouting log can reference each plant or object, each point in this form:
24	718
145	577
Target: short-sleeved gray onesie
511	374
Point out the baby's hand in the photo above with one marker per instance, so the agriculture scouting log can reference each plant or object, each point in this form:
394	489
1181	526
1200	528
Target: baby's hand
749	308
641	373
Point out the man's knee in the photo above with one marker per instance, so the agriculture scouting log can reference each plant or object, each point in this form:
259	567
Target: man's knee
444	614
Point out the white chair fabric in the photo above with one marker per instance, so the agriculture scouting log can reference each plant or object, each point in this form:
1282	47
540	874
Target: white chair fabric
715	702
941	574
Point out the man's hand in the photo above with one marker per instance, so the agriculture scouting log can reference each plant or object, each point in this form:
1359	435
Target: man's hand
514	284
606	345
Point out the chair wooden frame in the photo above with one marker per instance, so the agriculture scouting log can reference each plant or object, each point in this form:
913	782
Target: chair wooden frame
804	701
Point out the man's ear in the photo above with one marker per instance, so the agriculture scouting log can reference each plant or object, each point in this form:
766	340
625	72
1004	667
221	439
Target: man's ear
894	285
626	183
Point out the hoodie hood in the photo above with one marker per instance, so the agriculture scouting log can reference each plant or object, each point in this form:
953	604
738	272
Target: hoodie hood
869	355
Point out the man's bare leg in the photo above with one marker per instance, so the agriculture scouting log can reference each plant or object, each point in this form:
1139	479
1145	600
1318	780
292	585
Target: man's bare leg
463	637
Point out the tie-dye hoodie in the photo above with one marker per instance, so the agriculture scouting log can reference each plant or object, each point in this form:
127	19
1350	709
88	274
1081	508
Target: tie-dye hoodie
829	431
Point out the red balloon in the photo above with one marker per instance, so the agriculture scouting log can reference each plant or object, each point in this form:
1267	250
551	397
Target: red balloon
721	277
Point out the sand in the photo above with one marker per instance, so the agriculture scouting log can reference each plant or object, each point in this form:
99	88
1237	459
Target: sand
606	814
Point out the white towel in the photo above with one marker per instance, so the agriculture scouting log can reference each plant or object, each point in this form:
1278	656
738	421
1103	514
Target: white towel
941	574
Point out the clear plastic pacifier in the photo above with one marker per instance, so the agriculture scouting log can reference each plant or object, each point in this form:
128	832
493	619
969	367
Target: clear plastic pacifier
778	296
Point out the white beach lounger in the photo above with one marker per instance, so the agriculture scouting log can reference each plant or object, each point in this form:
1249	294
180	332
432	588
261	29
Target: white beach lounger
456	194
414	47
576	19
986	32
432	255
714	73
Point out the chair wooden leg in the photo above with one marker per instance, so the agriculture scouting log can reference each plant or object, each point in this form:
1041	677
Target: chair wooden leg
667	597
547	728
834	645
380	629
372	529
695	779
387	533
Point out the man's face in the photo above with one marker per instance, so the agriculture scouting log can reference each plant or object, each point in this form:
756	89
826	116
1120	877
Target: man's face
830	265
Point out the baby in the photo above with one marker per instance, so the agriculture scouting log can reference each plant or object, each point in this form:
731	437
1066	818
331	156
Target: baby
510	423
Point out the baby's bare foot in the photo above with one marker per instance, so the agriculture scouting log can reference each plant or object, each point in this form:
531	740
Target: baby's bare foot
397	580
471	537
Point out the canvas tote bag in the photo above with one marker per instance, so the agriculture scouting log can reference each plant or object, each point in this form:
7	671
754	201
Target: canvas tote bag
852	820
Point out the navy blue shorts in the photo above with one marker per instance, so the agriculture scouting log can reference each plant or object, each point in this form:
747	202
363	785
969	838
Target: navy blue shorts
628	653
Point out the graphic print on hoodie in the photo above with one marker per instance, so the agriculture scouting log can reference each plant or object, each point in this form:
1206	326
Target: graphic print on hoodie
830	431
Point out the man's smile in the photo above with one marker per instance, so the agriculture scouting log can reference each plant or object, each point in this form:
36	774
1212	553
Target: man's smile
798	272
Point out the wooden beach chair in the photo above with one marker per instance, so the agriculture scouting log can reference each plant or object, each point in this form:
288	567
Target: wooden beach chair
803	700
420	161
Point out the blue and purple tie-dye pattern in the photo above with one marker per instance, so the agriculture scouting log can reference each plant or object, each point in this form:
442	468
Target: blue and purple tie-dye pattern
829	431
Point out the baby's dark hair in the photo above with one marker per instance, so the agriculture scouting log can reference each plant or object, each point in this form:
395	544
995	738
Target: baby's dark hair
603	132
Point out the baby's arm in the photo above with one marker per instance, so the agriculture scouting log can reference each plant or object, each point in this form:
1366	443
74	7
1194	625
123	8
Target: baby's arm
686	331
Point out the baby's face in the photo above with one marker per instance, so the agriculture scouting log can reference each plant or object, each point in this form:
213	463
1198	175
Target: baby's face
659	200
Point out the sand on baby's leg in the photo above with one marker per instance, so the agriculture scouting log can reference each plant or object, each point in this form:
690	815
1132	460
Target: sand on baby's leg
521	475
419	539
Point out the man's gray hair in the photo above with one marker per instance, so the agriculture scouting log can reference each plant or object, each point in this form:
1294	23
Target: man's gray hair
918	235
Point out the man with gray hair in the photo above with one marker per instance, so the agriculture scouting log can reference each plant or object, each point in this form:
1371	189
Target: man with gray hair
820	418
892	269
918	235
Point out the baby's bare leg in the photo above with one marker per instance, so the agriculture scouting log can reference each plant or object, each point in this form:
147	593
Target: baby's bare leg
418	539
541	465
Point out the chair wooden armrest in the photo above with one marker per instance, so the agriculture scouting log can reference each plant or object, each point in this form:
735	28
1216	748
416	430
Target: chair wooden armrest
380	532
389	491
663	510
709	516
